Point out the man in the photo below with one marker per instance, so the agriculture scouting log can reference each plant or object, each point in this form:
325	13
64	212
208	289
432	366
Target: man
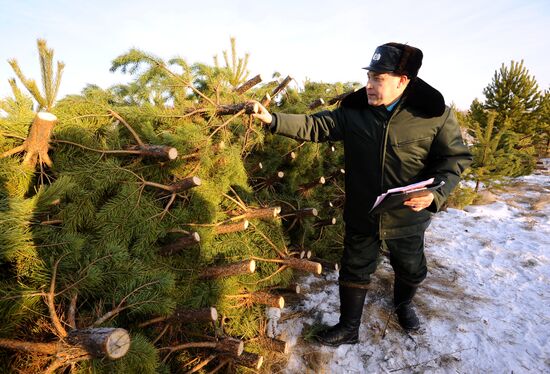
396	131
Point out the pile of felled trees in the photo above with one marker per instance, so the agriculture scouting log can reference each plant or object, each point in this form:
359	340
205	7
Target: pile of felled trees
146	228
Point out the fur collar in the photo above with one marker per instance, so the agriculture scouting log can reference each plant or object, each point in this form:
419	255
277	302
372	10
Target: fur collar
420	98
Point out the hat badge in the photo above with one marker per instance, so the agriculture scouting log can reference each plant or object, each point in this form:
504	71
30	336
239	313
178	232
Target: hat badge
376	57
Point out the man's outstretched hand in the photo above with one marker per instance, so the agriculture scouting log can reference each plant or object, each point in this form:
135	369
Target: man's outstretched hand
262	114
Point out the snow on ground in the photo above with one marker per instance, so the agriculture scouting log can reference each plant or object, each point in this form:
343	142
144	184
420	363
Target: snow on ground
485	306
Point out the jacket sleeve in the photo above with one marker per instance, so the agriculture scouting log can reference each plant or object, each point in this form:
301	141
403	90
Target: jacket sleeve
318	127
448	158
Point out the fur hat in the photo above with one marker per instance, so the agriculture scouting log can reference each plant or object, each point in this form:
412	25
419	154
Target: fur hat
396	58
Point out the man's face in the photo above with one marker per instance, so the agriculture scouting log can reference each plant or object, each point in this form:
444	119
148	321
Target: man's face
384	88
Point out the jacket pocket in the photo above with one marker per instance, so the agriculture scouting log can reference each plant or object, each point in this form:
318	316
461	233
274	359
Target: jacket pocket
411	142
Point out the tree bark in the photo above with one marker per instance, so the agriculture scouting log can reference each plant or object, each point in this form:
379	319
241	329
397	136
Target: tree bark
163	152
248	84
325	222
281	86
180	243
176	187
232	227
291	288
112	343
306	212
316	104
274	178
263	213
327	265
229	109
338	202
275	345
30	347
250	360
305	265
256	168
308	186
336	174
234	347
238	268
266	298
185	184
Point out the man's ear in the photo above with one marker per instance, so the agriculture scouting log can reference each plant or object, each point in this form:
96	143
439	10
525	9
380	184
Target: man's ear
403	81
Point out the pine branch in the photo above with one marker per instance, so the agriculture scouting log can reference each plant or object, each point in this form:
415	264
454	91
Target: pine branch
50	297
120	307
132	131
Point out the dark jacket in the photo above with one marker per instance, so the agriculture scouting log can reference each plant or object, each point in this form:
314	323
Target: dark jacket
419	139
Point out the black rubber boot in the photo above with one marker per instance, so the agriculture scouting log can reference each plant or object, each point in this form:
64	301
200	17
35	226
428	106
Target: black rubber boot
347	330
402	299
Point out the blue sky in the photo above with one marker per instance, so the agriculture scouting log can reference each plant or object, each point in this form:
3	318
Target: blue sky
464	42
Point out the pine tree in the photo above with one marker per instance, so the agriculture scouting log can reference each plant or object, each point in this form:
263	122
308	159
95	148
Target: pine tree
542	136
490	161
149	216
514	96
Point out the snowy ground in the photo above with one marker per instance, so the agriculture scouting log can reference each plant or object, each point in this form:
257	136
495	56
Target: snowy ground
485	306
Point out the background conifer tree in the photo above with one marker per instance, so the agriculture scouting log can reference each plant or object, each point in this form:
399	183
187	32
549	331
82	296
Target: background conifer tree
514	97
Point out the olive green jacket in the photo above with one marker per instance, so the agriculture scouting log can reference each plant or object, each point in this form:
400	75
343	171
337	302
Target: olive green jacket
419	139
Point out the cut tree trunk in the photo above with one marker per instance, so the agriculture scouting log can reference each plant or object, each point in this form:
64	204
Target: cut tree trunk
265	298
336	174
302	213
250	360
302	264
256	168
325	222
327	265
112	343
293	288
229	109
180	243
231	227
180	186
234	347
263	213
248	84
267	98
38	141
316	104
185	184
270	181
107	342
275	345
163	152
304	188
238	268
281	86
